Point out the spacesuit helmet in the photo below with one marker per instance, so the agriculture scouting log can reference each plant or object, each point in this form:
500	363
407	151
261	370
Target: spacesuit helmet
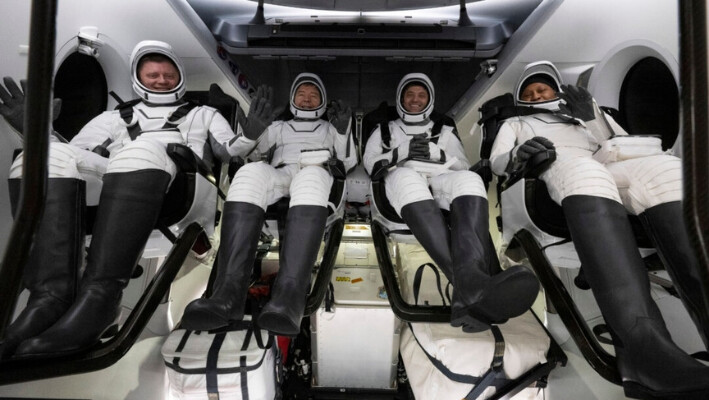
406	82
543	72
147	48
312	79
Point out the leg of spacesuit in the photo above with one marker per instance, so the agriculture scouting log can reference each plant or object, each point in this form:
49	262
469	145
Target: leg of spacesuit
494	298
426	222
666	227
651	187
242	221
241	224
408	193
305	226
411	198
51	272
465	252
648	360
129	207
480	290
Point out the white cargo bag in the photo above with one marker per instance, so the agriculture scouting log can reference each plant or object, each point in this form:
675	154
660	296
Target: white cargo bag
443	362
234	365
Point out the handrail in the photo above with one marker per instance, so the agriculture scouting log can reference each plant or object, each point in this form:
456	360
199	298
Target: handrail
106	354
322	278
695	142
40	71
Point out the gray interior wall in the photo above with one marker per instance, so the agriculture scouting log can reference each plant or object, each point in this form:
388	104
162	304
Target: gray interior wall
363	82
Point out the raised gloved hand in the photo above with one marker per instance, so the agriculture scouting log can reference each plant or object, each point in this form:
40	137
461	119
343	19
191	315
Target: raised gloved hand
13	103
339	115
533	146
419	148
579	102
260	114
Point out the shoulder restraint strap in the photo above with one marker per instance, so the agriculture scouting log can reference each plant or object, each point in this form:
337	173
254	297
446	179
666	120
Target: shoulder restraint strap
126	110
179	114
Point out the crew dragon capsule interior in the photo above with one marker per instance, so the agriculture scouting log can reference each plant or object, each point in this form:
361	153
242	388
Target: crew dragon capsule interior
377	317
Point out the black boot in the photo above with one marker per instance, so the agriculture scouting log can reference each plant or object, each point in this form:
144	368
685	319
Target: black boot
241	226
665	225
52	268
305	226
482	291
651	365
128	210
426	222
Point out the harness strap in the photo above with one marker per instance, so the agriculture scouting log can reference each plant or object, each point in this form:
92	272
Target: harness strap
178	114
495	370
417	282
244	379
181	346
436	130
493	377
212	358
247	338
126	111
438	122
116	97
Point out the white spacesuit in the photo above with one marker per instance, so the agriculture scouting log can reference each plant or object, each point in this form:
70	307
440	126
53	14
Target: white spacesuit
128	187
464	251
639	183
297	150
596	198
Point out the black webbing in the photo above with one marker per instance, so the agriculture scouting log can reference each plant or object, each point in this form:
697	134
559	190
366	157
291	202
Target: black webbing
495	370
417	282
179	114
181	345
493	377
212	359
244	379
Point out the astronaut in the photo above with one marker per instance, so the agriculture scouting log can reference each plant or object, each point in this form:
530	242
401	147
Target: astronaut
482	295
299	149
596	199
65	314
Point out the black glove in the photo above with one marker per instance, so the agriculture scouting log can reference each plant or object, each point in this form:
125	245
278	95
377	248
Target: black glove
533	146
260	114
418	147
579	103
339	115
13	103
